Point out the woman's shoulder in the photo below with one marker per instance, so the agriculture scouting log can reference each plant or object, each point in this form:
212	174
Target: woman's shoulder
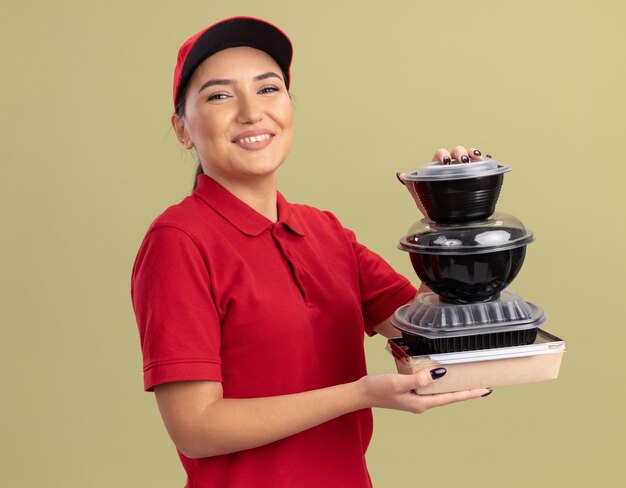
183	216
314	214
320	222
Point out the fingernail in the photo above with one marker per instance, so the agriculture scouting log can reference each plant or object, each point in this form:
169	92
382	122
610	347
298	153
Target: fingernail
477	152
488	156
437	373
447	160
488	393
399	179
464	159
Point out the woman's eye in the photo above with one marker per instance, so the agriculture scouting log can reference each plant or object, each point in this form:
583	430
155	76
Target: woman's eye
269	89
218	96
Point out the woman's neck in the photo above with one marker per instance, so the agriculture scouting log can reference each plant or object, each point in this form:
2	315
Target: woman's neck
257	193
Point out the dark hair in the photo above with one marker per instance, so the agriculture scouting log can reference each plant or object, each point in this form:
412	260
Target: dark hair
179	109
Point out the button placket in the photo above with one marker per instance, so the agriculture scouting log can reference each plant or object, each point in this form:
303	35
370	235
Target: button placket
288	257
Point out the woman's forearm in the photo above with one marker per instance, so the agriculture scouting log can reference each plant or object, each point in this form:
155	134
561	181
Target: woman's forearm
228	425
202	423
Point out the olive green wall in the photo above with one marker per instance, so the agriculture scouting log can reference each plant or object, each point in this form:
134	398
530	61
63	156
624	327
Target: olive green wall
88	160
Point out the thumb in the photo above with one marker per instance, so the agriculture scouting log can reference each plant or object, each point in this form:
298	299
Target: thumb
424	378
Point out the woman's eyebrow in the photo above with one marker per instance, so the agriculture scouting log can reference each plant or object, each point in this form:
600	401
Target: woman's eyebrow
215	82
269	74
263	76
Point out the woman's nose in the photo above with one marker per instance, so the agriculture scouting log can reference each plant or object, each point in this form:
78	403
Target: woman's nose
249	111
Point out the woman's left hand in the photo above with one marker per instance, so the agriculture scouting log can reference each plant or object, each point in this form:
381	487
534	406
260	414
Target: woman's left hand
460	153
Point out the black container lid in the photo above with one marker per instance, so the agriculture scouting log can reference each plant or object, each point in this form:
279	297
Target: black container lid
500	232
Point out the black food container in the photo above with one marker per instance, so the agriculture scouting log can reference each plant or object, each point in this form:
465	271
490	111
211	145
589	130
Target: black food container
470	262
431	326
458	192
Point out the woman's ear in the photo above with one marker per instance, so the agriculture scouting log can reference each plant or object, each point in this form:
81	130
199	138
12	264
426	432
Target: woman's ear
178	123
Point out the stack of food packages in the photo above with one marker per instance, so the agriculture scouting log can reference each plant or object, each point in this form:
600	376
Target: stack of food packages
467	255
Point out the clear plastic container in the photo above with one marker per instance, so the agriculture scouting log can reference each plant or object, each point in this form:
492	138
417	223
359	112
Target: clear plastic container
426	314
500	232
456	170
429	325
468	262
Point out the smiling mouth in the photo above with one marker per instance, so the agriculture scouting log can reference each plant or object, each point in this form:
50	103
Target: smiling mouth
259	138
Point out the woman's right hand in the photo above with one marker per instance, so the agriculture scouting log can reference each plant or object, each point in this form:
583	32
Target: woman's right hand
397	391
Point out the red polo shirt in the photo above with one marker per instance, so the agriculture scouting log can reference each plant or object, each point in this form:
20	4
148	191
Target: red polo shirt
222	293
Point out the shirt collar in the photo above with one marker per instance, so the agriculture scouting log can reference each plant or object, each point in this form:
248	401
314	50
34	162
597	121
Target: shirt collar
287	216
241	215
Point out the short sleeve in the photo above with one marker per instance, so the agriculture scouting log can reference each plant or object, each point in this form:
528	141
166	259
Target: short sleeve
383	290
179	327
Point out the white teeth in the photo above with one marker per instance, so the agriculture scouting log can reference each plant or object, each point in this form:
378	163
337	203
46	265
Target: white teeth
262	137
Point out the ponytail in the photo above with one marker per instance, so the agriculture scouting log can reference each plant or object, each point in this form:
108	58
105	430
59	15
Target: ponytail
198	173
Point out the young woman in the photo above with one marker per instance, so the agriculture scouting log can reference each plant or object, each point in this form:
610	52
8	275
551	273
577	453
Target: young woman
252	310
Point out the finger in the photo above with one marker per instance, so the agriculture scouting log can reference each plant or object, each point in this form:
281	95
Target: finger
475	154
460	154
440	399
408	383
425	377
442	156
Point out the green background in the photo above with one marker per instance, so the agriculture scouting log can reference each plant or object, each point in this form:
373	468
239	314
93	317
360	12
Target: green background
89	159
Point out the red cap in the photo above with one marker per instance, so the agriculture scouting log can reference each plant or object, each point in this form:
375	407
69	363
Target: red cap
232	32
